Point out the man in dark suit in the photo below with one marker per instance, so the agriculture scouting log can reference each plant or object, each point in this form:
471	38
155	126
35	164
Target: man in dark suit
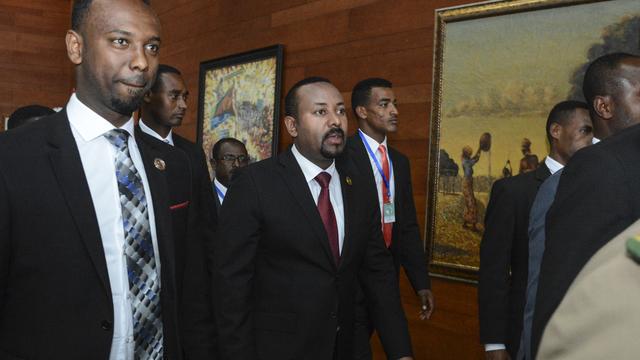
94	219
163	108
228	155
389	182
504	247
569	129
598	193
296	232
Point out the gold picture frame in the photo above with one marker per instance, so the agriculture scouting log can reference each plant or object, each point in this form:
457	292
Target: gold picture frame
499	67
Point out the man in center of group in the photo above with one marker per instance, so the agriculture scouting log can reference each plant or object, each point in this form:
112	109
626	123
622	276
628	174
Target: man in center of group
296	232
228	155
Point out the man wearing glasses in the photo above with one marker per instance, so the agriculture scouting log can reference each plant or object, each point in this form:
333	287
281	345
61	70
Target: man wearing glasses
227	157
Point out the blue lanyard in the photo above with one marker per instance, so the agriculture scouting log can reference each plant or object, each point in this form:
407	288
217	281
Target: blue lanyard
219	191
375	160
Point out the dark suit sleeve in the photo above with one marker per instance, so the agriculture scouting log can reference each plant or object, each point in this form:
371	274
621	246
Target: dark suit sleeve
592	205
199	333
234	256
495	259
412	256
5	239
380	284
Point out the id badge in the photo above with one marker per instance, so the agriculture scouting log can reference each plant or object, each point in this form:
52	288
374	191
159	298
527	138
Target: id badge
389	212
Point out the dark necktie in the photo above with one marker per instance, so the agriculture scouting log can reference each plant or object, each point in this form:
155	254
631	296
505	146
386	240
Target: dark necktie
144	283
326	213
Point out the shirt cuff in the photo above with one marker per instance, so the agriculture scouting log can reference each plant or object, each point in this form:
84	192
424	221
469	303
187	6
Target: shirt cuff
494	347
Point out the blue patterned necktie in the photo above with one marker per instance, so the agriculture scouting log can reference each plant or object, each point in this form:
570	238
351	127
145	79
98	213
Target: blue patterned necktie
144	284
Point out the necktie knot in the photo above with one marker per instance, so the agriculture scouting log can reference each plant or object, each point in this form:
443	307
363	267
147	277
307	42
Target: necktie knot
383	150
117	137
323	179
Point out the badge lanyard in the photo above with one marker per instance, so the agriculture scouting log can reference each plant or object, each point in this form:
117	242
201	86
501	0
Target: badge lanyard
378	166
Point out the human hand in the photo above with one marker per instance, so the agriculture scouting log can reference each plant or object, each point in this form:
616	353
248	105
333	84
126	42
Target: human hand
427	303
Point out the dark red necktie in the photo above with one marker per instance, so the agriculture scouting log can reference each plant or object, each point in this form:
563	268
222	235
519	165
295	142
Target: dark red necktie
326	213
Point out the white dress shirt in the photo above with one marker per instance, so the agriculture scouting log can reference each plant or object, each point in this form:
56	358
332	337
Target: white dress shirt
220	189
147	130
552	164
310	171
98	160
374	145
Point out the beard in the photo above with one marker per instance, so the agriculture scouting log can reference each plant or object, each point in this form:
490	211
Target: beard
126	105
329	153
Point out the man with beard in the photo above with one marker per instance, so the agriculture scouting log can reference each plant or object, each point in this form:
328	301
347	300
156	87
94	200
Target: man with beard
296	233
599	190
389	174
228	155
94	218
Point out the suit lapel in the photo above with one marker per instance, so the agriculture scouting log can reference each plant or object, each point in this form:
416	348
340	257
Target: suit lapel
67	167
160	196
297	185
347	201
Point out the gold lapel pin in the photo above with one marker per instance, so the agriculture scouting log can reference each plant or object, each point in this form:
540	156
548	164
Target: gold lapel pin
159	164
348	180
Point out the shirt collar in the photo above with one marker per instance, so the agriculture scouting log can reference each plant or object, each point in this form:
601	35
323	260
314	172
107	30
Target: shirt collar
309	169
147	130
373	145
552	164
88	123
219	185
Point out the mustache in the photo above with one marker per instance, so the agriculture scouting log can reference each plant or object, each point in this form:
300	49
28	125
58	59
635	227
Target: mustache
334	131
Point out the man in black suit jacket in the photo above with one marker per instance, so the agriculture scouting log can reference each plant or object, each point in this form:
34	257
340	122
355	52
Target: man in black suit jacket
504	250
599	191
163	108
64	292
374	105
228	156
296	232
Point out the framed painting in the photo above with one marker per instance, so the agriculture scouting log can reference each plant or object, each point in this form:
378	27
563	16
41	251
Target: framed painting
499	68
239	97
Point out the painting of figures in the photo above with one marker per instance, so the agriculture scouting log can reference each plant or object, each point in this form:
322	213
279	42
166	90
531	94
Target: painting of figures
499	68
240	97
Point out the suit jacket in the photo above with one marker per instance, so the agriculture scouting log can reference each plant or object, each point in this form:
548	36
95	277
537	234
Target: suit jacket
541	205
55	296
285	297
406	245
598	197
598	318
504	258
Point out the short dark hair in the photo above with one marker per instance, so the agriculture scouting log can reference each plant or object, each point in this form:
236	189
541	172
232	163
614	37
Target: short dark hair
361	94
561	113
80	11
602	76
291	100
163	69
26	113
215	150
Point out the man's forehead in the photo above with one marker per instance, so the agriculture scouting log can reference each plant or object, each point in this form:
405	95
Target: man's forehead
319	93
229	147
125	16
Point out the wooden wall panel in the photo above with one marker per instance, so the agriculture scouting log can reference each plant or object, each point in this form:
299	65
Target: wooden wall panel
34	68
346	41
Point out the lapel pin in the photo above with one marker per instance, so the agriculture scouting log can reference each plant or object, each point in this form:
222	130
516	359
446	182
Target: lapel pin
348	180
159	164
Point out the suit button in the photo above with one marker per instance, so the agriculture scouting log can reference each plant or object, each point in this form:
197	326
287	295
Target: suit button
333	315
106	325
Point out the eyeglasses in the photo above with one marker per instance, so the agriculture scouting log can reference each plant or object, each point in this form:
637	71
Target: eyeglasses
232	158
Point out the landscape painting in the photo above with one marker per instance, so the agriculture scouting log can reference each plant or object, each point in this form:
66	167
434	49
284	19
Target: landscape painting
499	68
